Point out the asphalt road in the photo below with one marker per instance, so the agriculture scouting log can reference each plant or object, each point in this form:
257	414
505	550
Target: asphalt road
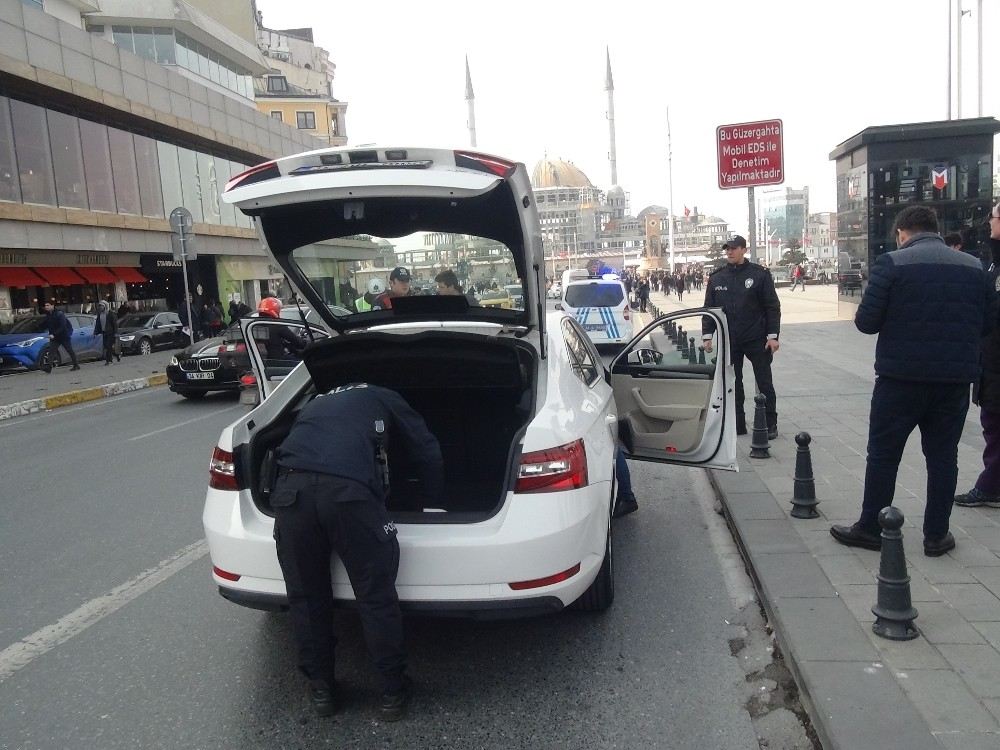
103	564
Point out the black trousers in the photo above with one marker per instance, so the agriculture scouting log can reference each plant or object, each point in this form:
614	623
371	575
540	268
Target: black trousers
316	515
939	410
109	347
760	359
67	344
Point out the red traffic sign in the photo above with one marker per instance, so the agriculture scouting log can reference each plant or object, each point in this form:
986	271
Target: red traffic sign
751	154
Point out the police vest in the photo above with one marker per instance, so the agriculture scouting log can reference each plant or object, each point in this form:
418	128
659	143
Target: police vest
361	305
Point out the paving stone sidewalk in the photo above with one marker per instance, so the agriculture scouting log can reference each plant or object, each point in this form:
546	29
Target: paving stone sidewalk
819	593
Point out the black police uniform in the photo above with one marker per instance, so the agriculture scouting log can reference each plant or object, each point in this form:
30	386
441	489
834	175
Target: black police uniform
745	292
330	497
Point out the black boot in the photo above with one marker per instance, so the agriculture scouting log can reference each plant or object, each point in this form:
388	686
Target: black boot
321	696
394	703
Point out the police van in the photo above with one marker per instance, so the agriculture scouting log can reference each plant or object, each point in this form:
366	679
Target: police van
599	304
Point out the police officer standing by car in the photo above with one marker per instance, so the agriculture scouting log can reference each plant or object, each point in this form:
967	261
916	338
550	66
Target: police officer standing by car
60	334
745	292
330	496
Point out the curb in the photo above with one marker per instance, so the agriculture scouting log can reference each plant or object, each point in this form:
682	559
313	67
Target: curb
847	693
47	403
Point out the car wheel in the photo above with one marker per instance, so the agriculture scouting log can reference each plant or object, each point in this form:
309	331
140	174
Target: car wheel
48	358
601	593
145	346
193	395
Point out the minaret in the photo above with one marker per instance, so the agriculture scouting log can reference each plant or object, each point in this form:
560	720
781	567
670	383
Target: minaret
609	86
470	100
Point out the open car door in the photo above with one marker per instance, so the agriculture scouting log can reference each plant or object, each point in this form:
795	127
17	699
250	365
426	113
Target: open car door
676	402
273	353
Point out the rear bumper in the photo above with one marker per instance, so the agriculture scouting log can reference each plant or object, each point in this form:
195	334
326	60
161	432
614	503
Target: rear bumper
474	610
223	379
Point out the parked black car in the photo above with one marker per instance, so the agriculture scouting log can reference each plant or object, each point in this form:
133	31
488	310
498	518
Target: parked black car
144	333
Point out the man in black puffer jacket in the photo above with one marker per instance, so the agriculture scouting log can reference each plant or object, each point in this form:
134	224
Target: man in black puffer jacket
986	394
930	306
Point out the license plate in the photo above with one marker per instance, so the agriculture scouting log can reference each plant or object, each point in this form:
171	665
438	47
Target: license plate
594	327
200	375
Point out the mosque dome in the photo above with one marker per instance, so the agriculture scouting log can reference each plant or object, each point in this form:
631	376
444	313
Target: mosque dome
549	173
617	192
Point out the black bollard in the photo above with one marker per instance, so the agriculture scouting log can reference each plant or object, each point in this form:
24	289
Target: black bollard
759	447
894	613
701	355
804	493
691	350
681	338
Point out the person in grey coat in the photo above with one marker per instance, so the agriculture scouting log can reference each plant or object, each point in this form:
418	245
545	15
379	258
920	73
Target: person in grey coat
107	327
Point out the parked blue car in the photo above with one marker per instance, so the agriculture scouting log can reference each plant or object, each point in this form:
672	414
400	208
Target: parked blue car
27	344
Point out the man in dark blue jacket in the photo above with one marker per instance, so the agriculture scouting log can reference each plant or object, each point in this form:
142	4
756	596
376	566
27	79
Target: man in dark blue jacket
930	306
330	497
60	333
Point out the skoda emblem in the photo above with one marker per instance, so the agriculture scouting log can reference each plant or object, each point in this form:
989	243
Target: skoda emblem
749	283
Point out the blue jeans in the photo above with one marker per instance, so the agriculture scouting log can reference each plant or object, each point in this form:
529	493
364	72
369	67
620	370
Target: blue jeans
898	406
624	478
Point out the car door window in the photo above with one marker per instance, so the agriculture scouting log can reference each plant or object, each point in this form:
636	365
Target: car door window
172	319
582	355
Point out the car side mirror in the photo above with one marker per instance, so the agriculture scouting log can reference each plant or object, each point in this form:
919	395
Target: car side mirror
156	325
645	357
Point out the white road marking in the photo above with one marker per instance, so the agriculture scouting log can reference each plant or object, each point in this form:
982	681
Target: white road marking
49	413
184	423
22	653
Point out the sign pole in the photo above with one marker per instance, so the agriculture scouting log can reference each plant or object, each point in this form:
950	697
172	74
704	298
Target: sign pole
753	225
184	270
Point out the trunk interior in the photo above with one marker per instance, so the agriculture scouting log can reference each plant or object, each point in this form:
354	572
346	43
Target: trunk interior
475	393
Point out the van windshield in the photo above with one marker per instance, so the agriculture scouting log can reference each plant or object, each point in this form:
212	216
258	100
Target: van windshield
594	294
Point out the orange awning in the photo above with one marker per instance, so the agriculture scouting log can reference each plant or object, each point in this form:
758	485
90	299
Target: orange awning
19	276
129	275
96	274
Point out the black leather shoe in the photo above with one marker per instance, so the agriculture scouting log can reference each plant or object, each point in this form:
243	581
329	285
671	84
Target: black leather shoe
741	430
74	367
624	506
772	433
321	696
857	536
937	547
393	705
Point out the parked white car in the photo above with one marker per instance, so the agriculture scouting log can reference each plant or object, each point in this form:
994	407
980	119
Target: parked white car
528	418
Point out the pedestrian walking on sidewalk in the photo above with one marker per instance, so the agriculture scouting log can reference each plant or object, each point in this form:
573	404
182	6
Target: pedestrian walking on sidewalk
986	394
107	328
60	333
798	277
642	292
679	285
930	307
745	292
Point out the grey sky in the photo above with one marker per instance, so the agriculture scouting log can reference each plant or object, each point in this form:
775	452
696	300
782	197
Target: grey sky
827	69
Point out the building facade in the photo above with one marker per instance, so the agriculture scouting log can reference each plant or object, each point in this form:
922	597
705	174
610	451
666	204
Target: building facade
298	87
785	213
695	234
821	236
947	165
104	131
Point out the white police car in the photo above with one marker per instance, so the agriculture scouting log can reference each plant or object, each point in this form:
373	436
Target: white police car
528	418
599	304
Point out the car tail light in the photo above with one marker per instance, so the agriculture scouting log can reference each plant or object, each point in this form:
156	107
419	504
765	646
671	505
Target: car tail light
484	163
266	171
222	471
225	574
248	380
547	581
554	469
231	348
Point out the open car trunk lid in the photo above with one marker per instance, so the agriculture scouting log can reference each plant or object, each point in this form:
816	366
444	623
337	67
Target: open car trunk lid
315	211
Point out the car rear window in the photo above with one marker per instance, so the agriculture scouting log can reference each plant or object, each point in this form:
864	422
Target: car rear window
594	294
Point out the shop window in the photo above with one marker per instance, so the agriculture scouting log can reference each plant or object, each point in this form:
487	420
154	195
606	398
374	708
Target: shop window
67	159
170	176
210	189
34	160
97	166
150	194
124	170
10	190
190	185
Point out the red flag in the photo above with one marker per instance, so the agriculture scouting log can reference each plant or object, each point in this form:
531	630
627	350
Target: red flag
687	212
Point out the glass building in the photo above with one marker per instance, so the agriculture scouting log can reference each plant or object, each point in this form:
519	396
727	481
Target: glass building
947	165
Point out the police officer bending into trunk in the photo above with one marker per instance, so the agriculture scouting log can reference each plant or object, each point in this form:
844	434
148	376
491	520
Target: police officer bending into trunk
745	292
330	496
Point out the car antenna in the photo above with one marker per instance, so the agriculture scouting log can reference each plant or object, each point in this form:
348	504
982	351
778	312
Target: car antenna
298	305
